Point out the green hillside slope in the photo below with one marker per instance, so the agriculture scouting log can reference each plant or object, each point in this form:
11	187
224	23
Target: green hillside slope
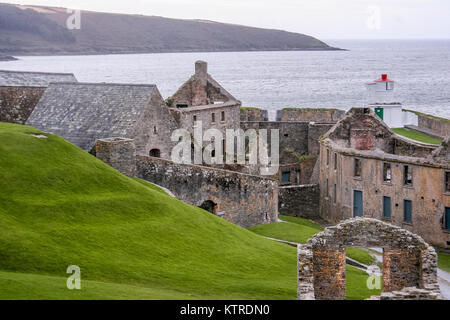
60	206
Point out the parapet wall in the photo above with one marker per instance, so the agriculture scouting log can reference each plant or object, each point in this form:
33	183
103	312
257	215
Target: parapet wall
310	114
440	127
242	199
299	201
254	114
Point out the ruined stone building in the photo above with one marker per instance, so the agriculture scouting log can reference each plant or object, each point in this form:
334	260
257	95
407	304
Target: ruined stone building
202	99
366	170
20	92
84	112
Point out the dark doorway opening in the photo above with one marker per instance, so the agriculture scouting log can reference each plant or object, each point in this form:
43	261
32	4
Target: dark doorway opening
209	205
155	153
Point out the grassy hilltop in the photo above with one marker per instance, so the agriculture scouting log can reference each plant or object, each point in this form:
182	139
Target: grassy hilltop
61	206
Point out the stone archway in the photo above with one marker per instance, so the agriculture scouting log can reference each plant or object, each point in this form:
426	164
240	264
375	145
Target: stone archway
209	205
155	153
408	261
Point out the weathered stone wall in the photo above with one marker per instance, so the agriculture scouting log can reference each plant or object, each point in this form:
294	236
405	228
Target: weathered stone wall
293	135
315	131
427	192
299	201
185	117
239	198
409	293
439	126
310	114
254	114
17	103
408	259
119	153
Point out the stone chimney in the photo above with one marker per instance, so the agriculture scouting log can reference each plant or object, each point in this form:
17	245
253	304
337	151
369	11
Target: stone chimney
199	85
201	71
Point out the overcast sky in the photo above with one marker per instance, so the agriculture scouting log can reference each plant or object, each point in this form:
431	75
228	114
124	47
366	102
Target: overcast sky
325	19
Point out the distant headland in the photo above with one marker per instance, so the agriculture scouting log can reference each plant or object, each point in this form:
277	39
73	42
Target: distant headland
7	58
38	30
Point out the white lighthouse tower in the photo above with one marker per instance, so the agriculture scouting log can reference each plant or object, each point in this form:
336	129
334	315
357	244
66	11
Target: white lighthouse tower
381	99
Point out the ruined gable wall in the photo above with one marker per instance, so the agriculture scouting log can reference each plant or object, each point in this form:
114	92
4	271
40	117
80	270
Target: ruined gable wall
154	128
242	199
17	103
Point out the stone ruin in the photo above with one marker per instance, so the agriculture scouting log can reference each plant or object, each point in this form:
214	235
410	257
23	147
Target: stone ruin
409	263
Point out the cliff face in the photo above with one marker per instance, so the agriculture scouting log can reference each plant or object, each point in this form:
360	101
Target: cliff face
43	30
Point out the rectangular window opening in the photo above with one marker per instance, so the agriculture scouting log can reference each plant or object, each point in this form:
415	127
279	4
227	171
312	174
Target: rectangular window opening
387	172
447	181
407	175
357	168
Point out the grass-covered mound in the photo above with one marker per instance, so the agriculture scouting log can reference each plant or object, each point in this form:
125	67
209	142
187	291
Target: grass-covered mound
60	206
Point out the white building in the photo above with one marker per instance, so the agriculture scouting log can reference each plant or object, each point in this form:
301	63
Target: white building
381	99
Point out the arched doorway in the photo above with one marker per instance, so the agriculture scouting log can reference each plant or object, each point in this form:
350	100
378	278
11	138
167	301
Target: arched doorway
155	153
209	205
408	261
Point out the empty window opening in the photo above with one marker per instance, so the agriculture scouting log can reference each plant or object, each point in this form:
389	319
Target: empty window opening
222	116
181	105
447	181
213	117
155	153
155	131
335	161
407	211
327	191
387	172
297	177
334	194
328	157
407	175
357	168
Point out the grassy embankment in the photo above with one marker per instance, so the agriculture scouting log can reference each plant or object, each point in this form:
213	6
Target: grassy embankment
416	135
60	206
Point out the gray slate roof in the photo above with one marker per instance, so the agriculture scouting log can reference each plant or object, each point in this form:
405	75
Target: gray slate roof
32	79
84	112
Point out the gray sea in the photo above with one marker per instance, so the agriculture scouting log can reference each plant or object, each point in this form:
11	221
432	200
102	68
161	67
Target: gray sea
275	80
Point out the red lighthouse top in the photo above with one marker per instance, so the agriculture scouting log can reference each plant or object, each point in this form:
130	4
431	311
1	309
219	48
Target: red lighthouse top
384	77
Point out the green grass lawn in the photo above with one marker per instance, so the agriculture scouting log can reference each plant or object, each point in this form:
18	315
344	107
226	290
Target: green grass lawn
416	135
294	229
444	261
61	206
360	255
356	284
